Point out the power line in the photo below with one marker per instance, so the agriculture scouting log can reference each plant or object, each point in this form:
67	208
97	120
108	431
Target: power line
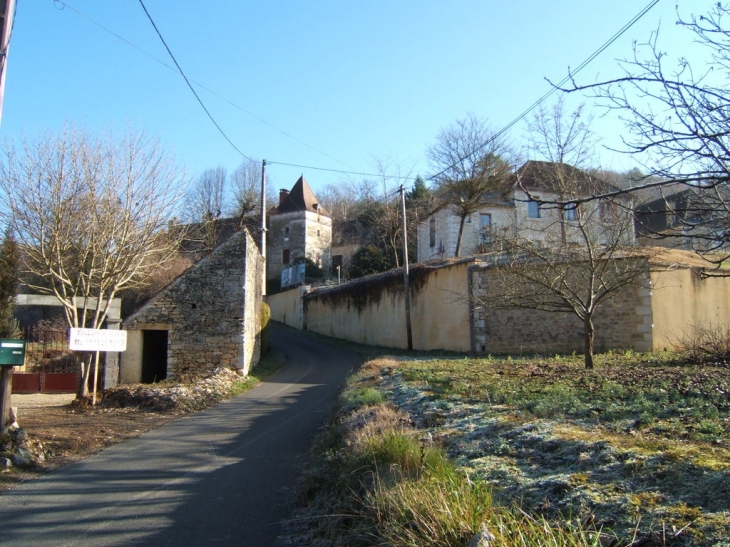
520	117
200	85
182	73
554	88
269	162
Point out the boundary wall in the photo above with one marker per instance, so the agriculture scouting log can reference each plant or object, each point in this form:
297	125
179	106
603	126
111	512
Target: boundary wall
662	309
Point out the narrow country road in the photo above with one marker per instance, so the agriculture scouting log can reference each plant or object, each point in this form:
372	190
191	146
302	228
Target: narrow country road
223	476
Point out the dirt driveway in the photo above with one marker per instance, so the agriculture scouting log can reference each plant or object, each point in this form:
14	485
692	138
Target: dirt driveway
38	400
69	433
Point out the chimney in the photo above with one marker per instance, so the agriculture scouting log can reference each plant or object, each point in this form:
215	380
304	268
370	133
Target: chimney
283	194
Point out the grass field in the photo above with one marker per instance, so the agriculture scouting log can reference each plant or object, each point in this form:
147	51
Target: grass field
532	451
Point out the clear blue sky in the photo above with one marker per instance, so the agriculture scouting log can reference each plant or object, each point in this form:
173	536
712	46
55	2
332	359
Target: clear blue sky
351	81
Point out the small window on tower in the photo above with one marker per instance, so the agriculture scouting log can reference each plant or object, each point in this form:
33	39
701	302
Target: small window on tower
285	256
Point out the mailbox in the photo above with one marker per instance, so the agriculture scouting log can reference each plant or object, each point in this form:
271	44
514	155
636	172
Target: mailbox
12	352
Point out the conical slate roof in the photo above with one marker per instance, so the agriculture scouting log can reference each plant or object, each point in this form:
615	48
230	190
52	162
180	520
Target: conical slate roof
301	198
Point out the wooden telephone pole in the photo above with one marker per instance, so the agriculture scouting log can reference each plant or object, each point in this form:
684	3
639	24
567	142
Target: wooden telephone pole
263	223
406	282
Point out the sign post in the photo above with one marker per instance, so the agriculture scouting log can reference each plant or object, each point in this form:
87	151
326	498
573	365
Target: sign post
12	353
97	340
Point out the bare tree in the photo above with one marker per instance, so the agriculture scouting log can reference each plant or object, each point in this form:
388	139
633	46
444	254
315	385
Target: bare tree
341	200
204	206
207	196
90	216
472	167
678	121
245	183
558	136
386	216
573	258
575	277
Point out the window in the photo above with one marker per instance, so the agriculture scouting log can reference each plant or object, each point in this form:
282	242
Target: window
432	232
286	230
608	211
285	256
570	212
533	209
485	228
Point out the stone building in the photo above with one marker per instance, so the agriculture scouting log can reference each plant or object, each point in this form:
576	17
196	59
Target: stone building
206	318
299	228
520	209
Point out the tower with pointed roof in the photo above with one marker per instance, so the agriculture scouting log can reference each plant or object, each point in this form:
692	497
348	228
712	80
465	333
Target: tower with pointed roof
299	228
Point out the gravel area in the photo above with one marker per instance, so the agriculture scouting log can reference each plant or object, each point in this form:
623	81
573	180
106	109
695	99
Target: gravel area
40	400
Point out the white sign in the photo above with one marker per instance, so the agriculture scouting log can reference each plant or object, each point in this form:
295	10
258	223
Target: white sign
97	340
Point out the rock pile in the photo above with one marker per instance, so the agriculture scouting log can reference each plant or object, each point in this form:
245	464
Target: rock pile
17	449
194	394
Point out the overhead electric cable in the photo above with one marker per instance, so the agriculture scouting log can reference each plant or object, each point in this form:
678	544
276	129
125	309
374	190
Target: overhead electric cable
201	86
520	117
269	162
554	88
182	73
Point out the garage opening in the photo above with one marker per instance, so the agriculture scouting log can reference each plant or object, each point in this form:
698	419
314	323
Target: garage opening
154	356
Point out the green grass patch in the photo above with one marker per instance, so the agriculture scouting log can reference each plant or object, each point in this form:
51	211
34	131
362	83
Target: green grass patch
536	451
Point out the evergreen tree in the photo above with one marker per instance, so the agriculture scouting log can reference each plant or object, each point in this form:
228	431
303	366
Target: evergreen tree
9	257
368	260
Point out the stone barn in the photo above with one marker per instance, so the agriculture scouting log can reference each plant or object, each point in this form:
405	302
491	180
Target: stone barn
206	318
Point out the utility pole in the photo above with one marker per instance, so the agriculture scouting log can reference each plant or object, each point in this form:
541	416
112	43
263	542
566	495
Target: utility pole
263	223
406	282
7	13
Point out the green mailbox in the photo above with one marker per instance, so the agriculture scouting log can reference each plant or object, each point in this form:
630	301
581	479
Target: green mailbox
12	352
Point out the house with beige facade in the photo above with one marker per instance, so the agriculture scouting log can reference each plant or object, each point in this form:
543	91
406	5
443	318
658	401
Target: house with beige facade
525	208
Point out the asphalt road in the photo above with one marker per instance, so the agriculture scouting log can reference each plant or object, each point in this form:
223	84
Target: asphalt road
224	476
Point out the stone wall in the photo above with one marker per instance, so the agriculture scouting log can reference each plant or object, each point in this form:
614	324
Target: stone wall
371	310
665	305
625	322
684	300
212	313
288	306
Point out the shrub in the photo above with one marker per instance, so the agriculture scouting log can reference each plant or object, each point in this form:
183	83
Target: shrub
265	318
707	344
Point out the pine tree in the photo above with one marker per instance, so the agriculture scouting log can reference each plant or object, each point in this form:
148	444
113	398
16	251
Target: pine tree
9	258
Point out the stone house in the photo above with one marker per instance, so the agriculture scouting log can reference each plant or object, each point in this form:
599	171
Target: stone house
206	318
681	216
299	228
519	210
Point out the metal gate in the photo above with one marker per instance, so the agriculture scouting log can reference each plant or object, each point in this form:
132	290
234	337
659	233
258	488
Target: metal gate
50	366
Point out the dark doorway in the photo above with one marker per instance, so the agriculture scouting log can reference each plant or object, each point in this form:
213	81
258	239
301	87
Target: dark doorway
154	356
